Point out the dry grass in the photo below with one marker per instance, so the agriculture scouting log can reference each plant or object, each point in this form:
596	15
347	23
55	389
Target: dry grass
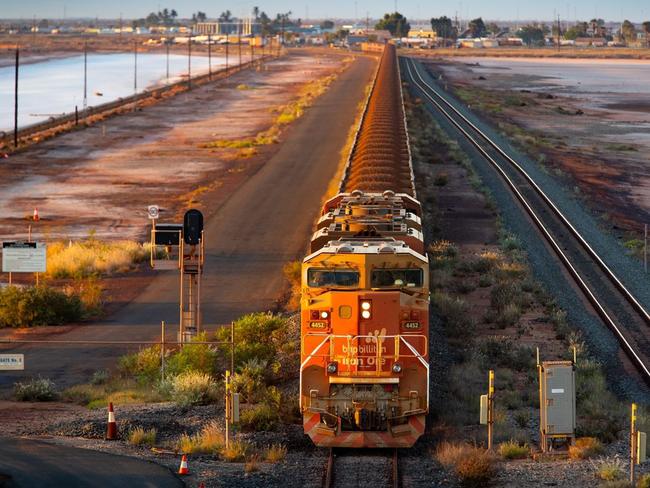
141	437
236	451
209	441
252	464
474	466
513	450
292	271
585	447
609	469
193	388
275	453
92	258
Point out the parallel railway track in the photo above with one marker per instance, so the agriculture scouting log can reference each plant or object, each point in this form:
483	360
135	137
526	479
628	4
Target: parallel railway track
615	304
352	468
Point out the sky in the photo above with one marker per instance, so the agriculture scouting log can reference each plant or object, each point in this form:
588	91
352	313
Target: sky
634	10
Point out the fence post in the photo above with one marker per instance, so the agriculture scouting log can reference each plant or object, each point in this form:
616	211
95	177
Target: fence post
228	409
162	350
632	442
232	346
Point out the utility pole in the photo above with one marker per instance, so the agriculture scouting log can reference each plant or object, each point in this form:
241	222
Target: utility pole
239	28
120	25
645	247
227	45
559	32
135	73
85	75
209	57
167	59
189	62
16	99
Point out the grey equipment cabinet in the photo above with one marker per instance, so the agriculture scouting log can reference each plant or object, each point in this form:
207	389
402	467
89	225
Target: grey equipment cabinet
557	403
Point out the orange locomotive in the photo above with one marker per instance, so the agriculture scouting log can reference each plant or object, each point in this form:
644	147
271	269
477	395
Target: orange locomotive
364	373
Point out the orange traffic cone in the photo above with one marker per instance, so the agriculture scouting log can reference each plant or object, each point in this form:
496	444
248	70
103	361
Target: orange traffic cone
111	429
184	469
35	218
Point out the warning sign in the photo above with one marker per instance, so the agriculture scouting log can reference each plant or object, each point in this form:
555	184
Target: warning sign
12	362
23	257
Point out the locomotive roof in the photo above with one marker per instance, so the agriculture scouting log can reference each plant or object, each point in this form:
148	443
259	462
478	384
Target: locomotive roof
367	246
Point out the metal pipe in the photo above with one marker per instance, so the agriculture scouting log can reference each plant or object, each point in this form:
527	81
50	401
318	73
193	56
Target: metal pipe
16	99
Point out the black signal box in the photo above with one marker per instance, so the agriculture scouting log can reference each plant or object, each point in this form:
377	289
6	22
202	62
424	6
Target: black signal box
168	234
192	227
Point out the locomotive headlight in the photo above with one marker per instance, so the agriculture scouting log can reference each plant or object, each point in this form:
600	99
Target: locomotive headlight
365	309
324	314
332	367
365	306
397	368
365	314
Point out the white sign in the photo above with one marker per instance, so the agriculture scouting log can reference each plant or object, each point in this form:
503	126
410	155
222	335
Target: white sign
23	257
153	211
557	390
9	362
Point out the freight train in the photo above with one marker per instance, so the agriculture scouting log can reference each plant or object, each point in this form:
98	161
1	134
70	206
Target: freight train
364	374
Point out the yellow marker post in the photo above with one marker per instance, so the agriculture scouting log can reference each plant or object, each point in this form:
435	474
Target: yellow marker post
632	442
228	412
490	420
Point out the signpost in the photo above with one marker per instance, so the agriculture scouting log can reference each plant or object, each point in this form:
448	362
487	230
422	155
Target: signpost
153	211
12	362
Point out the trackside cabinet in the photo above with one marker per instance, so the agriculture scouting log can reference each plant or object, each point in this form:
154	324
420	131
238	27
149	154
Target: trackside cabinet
557	403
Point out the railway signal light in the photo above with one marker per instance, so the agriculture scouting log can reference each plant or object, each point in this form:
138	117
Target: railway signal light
192	227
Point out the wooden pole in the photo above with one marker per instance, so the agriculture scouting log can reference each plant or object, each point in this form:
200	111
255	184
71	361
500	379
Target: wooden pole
162	350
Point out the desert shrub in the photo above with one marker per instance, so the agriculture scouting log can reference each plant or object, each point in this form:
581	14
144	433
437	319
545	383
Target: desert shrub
600	414
35	390
510	242
143	365
609	469
260	417
276	453
237	450
250	380
522	418
100	377
141	437
36	306
442	253
92	258
193	388
513	450
585	447
200	358
486	262
508	316
441	179
510	271
474	466
454	313
208	441
504	295
504	352
254	336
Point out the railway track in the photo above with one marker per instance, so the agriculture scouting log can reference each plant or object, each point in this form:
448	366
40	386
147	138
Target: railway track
380	158
613	302
354	468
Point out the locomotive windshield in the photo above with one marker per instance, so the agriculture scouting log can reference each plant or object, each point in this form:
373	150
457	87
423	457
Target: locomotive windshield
323	277
396	278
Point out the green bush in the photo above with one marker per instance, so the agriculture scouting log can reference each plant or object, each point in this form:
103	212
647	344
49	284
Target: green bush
200	358
35	306
454	313
644	481
35	390
143	365
502	351
599	412
250	382
256	337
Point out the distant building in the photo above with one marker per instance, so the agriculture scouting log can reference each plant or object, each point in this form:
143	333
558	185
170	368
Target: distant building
591	42
421	34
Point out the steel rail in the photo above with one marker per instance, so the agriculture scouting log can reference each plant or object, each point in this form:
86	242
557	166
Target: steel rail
627	347
612	276
329	479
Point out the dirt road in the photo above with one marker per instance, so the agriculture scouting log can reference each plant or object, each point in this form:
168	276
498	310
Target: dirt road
263	225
